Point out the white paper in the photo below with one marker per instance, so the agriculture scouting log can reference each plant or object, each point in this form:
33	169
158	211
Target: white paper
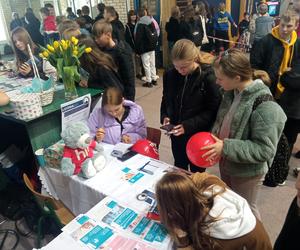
75	110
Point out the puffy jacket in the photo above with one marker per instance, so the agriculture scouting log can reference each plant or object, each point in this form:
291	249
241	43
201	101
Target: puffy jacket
253	135
122	55
118	30
267	55
173	33
193	103
134	124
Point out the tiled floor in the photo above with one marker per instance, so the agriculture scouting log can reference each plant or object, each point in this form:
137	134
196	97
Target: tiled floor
273	202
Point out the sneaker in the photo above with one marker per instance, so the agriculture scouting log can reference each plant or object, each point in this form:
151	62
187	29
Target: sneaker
147	84
154	82
281	184
296	171
297	155
144	78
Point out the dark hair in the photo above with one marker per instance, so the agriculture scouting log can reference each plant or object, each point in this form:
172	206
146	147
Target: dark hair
69	9
129	15
45	11
81	22
141	12
101	7
78	12
101	27
29	10
112	11
95	57
49	5
85	10
112	96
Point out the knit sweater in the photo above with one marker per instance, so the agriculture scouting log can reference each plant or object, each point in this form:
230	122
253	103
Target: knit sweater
253	135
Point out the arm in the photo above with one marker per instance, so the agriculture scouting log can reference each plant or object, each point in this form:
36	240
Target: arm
291	79
204	120
93	122
231	20
140	130
258	54
163	106
266	124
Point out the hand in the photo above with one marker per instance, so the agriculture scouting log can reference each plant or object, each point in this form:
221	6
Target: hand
214	150
100	133
126	139
288	69
177	130
83	83
25	69
166	121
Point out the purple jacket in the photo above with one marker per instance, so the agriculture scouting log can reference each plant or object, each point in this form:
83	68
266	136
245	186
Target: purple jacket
134	125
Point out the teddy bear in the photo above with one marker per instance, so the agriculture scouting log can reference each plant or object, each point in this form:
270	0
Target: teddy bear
78	155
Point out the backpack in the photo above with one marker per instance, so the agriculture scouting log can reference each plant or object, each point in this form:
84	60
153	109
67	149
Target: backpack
151	37
279	169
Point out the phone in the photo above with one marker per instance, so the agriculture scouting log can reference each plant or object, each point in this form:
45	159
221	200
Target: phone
127	155
167	127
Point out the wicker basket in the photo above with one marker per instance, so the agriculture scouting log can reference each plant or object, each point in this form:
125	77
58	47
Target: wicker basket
47	97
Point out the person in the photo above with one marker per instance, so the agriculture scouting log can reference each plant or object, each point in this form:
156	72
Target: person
117	120
202	13
70	14
288	236
246	139
100	7
101	68
221	19
16	22
32	25
129	38
48	26
120	52
118	30
145	46
21	39
82	25
283	69
173	34
67	29
201	212
263	23
191	27
190	99
86	15
244	24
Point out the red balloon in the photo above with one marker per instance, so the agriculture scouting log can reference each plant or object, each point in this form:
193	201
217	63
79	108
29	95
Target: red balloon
195	143
146	147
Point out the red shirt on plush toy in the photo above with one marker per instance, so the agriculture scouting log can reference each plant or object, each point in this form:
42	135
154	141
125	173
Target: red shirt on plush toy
79	155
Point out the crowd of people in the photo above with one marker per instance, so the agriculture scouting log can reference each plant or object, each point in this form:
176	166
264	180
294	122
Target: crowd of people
224	93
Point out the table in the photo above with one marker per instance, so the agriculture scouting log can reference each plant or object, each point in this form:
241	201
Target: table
120	180
111	202
42	131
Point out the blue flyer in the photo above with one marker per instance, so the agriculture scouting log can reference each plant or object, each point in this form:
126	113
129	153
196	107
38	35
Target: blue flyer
97	236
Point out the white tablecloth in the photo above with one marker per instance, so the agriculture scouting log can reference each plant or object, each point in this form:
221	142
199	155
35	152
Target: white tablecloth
120	180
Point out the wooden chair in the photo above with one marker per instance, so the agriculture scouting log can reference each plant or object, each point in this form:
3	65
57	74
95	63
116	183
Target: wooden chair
154	135
49	208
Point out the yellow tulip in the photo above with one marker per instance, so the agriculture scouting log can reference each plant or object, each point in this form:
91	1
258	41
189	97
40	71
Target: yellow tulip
50	48
75	53
41	55
65	46
74	40
45	54
55	44
88	50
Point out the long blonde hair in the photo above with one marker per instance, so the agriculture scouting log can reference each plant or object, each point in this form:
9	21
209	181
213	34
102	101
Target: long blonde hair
186	50
183	205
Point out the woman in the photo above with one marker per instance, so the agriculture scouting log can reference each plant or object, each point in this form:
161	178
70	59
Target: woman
190	99
129	37
100	67
117	120
246	139
200	212
32	25
173	33
21	39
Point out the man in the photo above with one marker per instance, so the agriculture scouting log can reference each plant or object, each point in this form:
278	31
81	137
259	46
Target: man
118	30
101	8
278	54
120	51
289	236
88	20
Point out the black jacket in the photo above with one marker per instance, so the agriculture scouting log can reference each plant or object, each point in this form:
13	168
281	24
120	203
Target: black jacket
129	35
267	55
33	28
118	32
142	44
188	28
122	55
289	236
173	31
193	104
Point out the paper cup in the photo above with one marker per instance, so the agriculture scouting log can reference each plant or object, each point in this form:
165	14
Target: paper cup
39	154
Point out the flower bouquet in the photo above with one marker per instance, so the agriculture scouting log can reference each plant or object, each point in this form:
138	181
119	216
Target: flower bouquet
64	56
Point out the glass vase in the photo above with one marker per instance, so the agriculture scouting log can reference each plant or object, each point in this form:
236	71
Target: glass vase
68	77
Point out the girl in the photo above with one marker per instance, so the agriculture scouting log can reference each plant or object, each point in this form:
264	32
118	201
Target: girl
246	139
20	39
200	212
117	120
100	67
190	99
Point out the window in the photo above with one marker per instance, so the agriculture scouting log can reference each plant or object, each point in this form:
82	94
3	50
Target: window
3	27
